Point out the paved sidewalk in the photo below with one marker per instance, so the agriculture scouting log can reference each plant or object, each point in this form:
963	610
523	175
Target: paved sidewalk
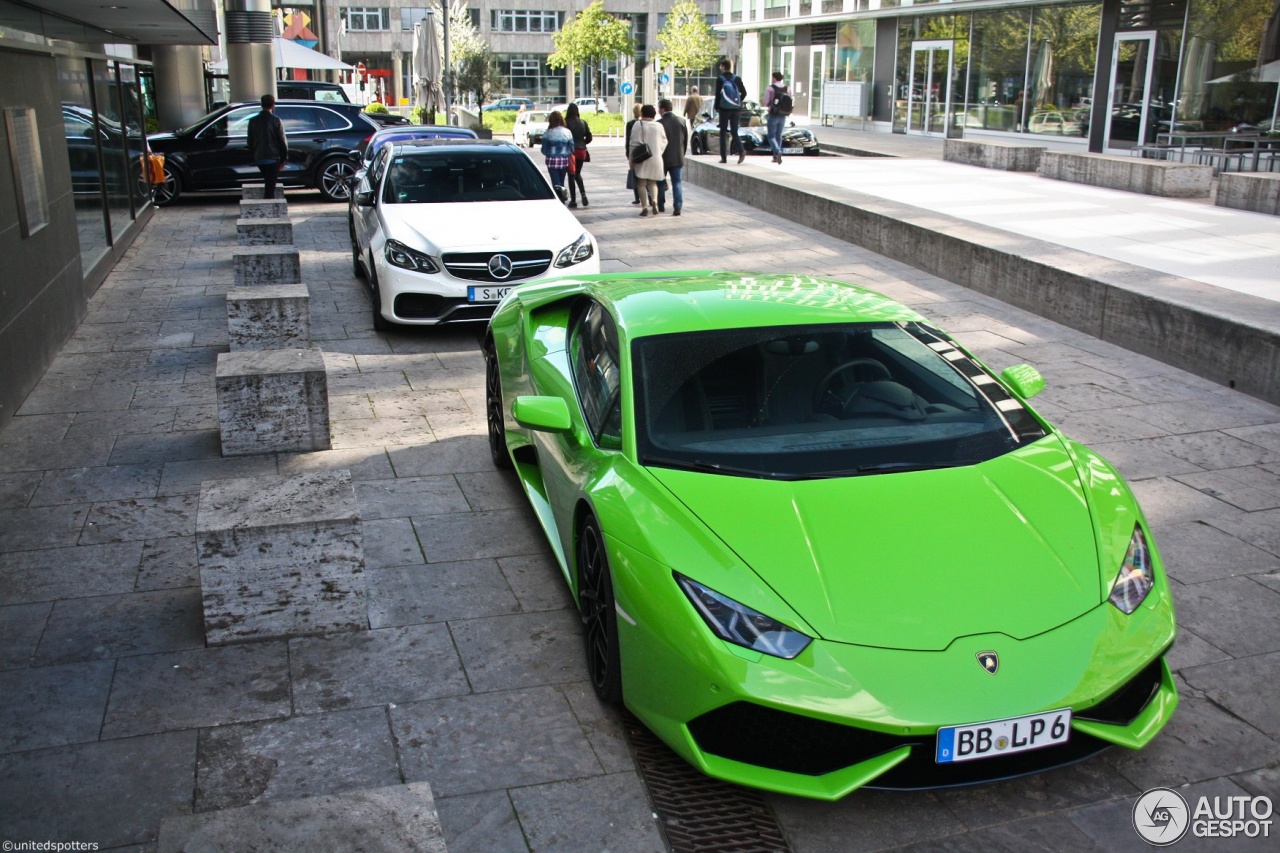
469	686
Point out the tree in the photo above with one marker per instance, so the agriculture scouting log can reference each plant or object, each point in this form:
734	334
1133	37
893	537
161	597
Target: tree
591	38
687	41
478	76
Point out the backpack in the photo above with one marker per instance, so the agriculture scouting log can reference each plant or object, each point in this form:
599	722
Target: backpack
729	96
782	104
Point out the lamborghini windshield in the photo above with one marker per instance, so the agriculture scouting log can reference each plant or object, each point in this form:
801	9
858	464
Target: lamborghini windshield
795	402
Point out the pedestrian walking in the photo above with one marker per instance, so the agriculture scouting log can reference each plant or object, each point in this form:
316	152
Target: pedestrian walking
677	131
632	183
645	145
693	106
777	100
730	95
268	144
581	156
557	147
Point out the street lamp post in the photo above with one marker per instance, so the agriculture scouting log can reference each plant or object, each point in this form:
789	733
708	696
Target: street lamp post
446	71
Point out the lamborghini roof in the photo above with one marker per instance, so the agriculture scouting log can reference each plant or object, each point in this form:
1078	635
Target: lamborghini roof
666	303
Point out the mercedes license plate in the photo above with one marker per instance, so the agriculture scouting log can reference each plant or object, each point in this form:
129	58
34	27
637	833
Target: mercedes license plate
492	293
1003	737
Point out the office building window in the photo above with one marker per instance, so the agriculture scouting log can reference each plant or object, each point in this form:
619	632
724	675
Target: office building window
518	21
410	15
365	18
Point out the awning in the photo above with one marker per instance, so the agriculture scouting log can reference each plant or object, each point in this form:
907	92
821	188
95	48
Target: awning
290	54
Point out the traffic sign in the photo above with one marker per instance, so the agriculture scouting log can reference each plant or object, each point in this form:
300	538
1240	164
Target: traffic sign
626	88
360	69
664	79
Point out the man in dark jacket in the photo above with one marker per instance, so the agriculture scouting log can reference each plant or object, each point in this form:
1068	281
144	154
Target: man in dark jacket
267	144
677	130
730	113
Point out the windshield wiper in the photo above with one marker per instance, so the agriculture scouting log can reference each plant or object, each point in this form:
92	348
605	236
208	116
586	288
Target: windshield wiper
713	467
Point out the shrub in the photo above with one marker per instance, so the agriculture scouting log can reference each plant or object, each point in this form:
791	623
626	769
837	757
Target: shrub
376	107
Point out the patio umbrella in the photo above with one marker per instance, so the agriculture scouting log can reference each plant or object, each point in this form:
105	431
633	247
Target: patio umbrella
428	91
290	54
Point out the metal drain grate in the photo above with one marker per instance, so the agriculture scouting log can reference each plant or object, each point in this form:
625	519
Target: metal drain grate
699	814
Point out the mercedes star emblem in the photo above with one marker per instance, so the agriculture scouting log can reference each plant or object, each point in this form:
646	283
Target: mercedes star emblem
499	267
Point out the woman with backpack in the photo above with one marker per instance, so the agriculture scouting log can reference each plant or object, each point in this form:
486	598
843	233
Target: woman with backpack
777	100
730	94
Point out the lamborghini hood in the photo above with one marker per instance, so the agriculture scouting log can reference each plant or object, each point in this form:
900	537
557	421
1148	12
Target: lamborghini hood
912	560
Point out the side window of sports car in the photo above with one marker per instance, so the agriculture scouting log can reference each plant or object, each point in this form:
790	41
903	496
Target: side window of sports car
593	354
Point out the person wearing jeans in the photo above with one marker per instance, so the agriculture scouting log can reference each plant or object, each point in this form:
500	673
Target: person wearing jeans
677	130
268	144
775	120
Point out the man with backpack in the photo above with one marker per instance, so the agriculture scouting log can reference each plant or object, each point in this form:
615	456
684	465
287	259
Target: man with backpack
730	94
777	99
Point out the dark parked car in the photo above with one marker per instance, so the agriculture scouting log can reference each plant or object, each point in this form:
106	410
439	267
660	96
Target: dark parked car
213	153
311	90
795	140
122	152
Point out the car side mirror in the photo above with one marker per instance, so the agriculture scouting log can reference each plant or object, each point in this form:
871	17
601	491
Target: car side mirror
1024	379
545	414
364	198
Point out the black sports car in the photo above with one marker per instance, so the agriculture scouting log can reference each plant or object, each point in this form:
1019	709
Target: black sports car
752	132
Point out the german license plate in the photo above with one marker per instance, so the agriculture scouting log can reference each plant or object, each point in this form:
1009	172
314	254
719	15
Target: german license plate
487	294
1003	737
793	149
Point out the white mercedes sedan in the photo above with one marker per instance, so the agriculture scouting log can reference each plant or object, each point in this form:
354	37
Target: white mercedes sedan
442	229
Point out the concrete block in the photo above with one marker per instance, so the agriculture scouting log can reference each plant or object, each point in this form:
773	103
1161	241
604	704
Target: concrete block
1256	191
1005	156
261	208
267	265
280	557
259	191
269	317
272	401
1165	178
261	231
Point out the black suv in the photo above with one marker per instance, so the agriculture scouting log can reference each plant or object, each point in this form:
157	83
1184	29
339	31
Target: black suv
311	90
213	153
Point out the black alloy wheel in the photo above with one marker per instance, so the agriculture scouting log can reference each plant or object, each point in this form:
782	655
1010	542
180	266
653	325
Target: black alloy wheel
169	191
599	616
334	178
494	415
380	323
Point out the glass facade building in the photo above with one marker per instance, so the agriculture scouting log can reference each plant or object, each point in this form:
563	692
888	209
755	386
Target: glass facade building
1102	74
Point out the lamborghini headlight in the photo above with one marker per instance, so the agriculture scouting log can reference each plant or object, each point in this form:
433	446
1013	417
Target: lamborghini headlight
740	625
400	255
576	252
1136	575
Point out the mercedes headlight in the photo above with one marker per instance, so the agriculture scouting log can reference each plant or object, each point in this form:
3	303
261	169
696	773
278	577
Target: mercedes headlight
400	255
576	252
742	626
1136	577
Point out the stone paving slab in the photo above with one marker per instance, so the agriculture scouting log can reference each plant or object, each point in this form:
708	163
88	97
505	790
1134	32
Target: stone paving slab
111	793
197	689
381	820
302	756
53	705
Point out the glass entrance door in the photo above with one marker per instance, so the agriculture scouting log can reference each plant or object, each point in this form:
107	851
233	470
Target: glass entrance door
788	70
1130	118
929	92
817	73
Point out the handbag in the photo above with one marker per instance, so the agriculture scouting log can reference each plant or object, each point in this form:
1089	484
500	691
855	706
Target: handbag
631	179
641	153
573	165
155	168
